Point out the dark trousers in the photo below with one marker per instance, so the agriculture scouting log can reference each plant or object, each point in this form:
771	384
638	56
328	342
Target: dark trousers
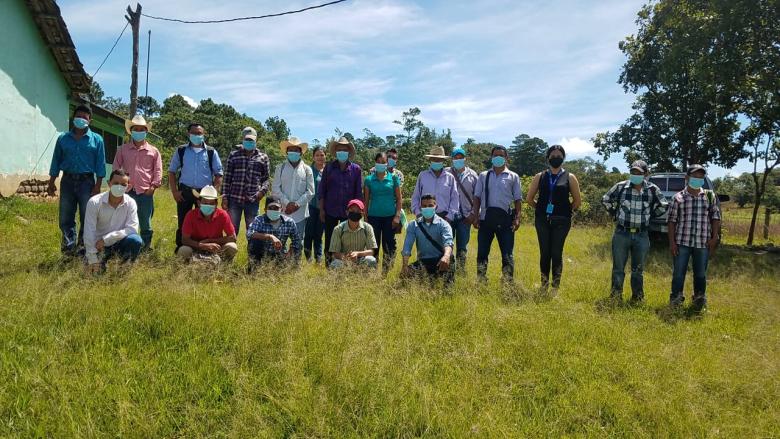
624	244
75	191
506	243
699	258
183	208
431	268
551	234
385	236
330	223
127	249
257	256
312	239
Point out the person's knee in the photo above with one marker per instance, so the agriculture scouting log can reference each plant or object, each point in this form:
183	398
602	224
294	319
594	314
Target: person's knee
184	253
369	261
134	242
336	264
229	250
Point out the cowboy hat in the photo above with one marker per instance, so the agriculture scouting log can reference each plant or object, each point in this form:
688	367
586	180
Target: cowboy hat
293	141
437	152
342	141
137	121
208	192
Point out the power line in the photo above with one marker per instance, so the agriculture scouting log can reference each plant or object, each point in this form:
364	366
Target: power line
112	49
245	18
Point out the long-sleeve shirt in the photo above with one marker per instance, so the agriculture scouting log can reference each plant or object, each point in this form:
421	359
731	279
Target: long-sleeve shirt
143	163
338	187
294	184
246	177
443	187
83	156
633	209
284	230
504	190
102	221
468	178
693	215
439	229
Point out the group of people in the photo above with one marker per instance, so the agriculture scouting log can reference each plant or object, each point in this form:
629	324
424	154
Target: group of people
358	214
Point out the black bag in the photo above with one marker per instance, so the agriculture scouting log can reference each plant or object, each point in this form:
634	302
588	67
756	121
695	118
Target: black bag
495	217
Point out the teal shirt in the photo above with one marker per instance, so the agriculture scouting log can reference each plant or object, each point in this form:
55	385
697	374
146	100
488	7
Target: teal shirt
382	194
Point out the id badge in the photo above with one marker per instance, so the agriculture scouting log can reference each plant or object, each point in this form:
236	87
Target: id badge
550	208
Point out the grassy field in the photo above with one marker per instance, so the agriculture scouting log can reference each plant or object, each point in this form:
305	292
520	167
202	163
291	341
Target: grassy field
736	224
162	350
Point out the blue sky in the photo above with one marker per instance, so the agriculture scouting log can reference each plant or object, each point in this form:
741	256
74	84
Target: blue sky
485	69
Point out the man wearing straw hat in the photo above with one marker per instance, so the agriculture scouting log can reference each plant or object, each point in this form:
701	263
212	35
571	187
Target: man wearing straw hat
342	181
246	179
294	183
207	233
143	163
439	183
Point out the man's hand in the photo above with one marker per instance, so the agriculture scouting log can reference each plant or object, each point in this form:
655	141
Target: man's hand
149	192
225	203
94	268
712	244
322	216
515	224
291	208
52	189
674	248
276	242
353	256
100	245
211	247
444	264
406	271
96	189
474	220
177	196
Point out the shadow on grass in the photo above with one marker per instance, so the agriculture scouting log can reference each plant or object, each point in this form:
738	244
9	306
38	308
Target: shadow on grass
674	314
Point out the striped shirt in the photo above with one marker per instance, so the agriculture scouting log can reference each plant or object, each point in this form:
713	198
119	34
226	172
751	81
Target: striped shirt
693	215
246	176
346	240
285	229
633	209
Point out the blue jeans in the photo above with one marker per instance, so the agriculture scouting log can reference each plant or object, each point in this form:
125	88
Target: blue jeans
74	194
313	236
506	243
127	249
637	245
248	210
700	258
462	232
145	213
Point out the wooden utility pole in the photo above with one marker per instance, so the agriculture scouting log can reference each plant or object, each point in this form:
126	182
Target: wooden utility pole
134	18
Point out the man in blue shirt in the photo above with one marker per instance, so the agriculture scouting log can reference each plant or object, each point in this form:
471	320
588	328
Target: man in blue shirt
81	156
433	236
199	165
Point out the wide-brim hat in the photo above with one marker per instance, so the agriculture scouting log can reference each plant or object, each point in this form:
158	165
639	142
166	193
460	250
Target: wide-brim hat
293	141
208	192
342	141
137	121
437	152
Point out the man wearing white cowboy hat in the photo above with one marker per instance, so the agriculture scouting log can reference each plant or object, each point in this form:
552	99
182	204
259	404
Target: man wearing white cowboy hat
246	179
207	233
439	183
342	181
143	163
294	183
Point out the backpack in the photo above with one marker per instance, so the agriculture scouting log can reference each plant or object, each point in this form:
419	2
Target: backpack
209	150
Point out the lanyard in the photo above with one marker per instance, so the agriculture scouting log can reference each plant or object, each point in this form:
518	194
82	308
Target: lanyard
552	183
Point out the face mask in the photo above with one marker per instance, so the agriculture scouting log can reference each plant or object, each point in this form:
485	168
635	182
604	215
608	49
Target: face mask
636	179
355	216
249	145
294	157
138	136
556	162
342	156
391	163
428	212
118	190
80	123
380	167
437	166
196	139
207	209
498	161
459	164
695	183
273	215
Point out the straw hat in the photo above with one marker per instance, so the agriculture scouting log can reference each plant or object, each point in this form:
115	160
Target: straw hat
208	192
437	152
342	141
293	141
137	121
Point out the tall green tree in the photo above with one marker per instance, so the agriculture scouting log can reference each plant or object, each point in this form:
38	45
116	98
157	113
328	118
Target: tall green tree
527	155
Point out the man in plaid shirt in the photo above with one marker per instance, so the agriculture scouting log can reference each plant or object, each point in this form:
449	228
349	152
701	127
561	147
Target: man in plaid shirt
268	235
694	222
632	202
246	179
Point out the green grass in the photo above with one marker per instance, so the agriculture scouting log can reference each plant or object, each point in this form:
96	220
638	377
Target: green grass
165	351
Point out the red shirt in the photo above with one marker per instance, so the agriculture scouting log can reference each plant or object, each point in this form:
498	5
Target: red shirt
196	227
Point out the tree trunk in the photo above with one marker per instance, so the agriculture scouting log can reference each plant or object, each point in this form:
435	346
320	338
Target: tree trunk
767	217
760	189
135	23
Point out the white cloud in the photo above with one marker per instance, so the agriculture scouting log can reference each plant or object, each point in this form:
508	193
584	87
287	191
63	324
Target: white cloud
576	146
193	103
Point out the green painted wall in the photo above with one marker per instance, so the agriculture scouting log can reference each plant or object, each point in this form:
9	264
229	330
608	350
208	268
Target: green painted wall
33	96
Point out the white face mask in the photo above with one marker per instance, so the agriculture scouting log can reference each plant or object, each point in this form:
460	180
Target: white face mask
118	190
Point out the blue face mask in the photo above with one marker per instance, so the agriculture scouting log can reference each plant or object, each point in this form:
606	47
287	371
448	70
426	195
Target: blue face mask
249	145
428	212
273	215
207	209
636	179
293	156
695	183
437	166
380	167
138	136
459	164
498	161
196	139
342	156
80	123
391	163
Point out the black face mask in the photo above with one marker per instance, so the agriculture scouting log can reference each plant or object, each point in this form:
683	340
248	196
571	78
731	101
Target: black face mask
556	162
355	216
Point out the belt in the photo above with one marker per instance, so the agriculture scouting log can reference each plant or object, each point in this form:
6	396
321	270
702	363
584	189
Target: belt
631	229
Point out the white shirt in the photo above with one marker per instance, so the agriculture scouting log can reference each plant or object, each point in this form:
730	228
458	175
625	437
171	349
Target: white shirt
294	184
110	224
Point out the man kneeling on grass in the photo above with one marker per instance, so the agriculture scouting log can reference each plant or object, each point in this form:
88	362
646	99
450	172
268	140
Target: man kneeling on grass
433	236
207	234
268	235
353	240
111	225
